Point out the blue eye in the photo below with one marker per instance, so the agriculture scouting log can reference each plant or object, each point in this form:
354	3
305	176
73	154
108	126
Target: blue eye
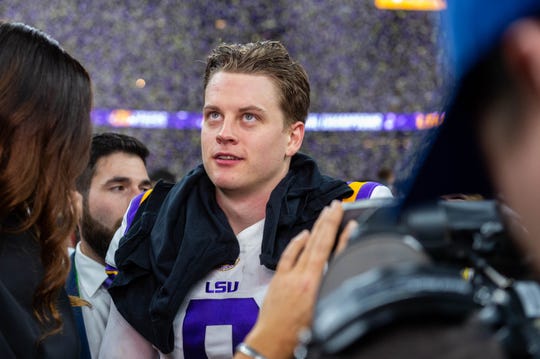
249	117
212	115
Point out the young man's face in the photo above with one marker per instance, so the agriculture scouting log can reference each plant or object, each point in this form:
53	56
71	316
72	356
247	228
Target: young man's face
117	179
245	145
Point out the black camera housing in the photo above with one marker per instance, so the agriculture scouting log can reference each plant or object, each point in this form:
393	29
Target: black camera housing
445	261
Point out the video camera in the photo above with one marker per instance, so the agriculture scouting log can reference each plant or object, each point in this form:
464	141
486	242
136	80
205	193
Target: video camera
448	261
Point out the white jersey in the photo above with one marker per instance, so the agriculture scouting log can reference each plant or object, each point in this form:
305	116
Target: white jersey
216	315
222	308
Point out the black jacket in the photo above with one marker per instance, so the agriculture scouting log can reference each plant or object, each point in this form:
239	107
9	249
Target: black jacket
192	236
72	288
21	272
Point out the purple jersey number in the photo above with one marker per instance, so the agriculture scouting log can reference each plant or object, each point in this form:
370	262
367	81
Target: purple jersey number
239	313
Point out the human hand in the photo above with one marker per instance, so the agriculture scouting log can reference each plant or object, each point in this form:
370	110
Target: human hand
288	306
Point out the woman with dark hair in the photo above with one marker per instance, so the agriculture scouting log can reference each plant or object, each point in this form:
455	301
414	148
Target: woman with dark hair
45	130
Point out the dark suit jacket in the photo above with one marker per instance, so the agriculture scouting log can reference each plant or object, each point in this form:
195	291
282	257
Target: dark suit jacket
72	288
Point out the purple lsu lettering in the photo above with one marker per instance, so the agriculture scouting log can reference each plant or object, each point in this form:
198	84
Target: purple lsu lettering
222	287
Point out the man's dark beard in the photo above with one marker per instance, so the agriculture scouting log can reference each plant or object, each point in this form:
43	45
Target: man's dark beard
96	234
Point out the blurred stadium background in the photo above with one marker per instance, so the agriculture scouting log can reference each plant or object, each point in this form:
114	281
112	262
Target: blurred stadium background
149	55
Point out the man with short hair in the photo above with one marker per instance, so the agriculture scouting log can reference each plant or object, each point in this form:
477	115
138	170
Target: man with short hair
116	172
194	282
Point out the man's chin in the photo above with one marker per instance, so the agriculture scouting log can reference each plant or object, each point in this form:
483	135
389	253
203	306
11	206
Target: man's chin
97	236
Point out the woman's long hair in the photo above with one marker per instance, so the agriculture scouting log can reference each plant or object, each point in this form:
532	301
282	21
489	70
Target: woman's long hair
45	130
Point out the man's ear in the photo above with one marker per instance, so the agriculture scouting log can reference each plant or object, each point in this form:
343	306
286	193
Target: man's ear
296	136
521	48
77	203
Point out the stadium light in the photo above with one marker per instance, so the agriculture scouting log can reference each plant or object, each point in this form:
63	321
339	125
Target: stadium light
415	5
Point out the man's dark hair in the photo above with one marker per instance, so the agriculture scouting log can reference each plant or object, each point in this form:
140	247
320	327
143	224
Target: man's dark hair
104	144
